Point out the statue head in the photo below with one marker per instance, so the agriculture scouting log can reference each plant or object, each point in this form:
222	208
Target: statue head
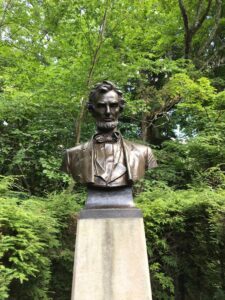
105	104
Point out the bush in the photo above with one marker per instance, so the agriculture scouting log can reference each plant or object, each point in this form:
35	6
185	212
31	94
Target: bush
185	233
28	235
37	244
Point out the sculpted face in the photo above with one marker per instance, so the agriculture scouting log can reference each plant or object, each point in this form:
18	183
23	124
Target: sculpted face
106	111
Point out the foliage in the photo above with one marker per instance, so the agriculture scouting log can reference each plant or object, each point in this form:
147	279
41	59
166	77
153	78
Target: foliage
64	207
37	242
51	53
37	237
185	240
168	58
27	234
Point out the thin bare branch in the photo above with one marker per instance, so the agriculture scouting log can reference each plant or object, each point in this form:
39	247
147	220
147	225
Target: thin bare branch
155	115
87	37
220	114
199	9
214	29
199	21
191	30
100	42
212	57
91	70
6	8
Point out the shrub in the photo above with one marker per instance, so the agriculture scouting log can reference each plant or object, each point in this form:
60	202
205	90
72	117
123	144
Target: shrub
36	244
185	240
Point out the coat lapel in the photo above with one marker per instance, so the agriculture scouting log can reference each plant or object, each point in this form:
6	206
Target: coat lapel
87	162
127	151
135	160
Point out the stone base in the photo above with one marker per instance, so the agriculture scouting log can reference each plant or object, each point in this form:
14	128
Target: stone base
110	256
120	197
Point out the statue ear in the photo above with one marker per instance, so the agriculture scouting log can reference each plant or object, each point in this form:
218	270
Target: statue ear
122	105
90	107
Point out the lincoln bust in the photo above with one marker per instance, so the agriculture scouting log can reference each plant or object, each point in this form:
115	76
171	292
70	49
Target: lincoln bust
107	161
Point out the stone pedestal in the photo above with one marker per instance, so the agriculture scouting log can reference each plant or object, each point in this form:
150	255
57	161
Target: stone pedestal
110	256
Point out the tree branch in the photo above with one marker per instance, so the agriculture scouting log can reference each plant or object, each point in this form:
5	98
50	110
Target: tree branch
91	71
214	29
199	9
184	15
7	6
199	21
164	109
212	57
190	31
187	35
100	42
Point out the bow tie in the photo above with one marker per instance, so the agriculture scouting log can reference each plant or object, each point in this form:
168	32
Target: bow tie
106	138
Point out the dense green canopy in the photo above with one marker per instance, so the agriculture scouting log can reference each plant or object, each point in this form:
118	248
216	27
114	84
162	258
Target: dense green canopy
168	57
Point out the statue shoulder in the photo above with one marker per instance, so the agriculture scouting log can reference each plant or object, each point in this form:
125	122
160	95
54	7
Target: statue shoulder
144	151
72	155
77	149
137	146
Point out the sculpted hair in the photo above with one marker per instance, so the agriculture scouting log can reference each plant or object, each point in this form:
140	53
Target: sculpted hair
103	88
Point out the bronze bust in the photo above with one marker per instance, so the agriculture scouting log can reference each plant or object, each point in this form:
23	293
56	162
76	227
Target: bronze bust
107	161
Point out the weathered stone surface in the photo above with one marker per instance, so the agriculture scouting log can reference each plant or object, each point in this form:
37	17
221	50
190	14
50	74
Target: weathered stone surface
111	258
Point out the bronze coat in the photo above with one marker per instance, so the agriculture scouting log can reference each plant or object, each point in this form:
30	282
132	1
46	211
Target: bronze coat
78	161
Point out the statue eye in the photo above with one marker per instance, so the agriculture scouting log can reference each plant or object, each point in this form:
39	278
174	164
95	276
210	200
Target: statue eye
101	105
114	105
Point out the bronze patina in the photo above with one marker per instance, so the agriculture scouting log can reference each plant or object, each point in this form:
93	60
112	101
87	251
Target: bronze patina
107	161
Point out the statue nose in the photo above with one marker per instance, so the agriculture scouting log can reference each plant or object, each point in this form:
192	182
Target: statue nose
107	110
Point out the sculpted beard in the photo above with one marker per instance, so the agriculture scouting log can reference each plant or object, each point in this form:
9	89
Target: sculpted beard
107	125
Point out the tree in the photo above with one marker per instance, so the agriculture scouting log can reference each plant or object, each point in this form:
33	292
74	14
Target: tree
168	58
